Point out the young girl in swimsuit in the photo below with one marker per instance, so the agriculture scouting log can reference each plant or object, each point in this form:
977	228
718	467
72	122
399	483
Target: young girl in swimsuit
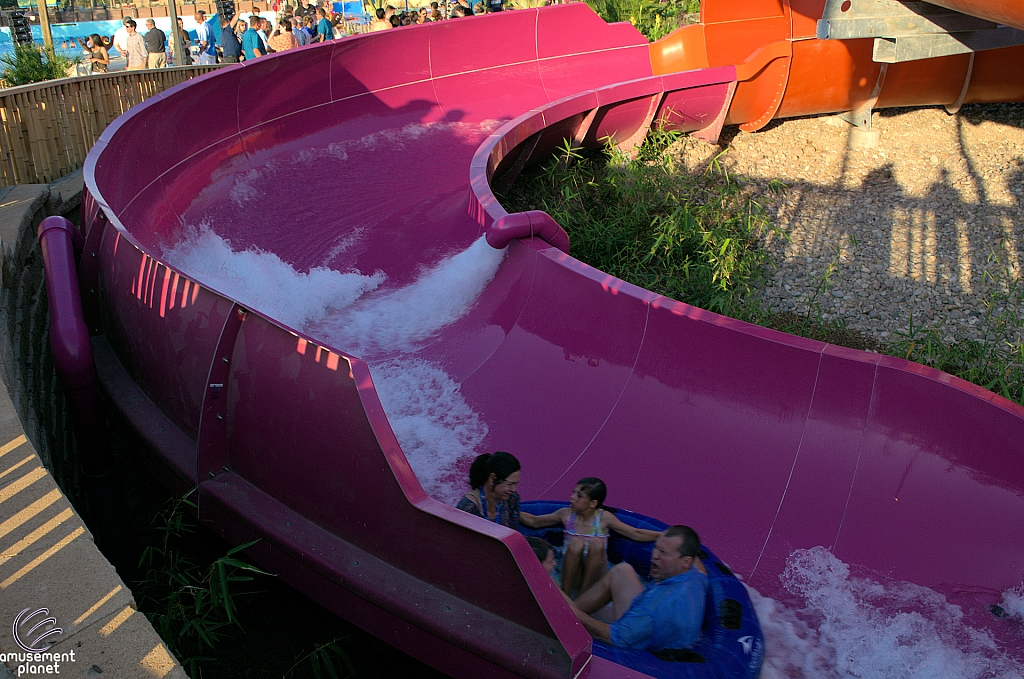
587	524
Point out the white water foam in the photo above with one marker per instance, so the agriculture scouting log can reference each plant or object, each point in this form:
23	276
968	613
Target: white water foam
431	419
866	628
402	319
1013	602
433	422
262	280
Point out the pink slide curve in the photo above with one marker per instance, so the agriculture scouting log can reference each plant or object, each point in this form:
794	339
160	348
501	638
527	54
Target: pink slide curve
294	267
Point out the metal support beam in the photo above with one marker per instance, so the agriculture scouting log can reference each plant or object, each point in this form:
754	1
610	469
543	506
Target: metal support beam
861	116
889	18
912	48
908	31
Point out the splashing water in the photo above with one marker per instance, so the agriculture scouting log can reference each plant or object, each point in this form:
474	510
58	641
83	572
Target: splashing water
431	419
402	319
432	422
868	628
262	280
1013	602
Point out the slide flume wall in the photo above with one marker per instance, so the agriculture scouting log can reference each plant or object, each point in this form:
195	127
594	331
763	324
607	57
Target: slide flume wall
764	442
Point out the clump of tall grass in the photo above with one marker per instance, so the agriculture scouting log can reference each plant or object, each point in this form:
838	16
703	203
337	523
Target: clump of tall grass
189	604
33	64
694	238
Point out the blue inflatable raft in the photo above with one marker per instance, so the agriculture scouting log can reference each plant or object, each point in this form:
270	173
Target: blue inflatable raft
731	645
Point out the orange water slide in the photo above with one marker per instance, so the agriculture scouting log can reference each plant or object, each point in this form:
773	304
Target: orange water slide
784	70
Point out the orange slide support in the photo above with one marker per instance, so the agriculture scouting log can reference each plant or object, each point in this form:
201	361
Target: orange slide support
784	70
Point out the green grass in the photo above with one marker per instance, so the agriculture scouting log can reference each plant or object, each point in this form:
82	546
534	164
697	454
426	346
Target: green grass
699	238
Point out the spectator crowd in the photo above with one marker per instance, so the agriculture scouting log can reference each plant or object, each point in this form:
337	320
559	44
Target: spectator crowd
240	39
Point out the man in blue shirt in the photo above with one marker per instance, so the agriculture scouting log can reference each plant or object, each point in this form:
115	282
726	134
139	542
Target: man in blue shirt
324	30
252	46
231	49
666	614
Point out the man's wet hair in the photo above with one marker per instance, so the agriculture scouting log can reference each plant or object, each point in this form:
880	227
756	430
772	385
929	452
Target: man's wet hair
690	546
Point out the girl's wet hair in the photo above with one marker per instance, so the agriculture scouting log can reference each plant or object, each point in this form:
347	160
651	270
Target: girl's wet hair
501	464
594	488
541	547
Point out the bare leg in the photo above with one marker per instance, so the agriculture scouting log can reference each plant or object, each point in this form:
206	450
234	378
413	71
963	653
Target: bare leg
572	566
620	585
595	565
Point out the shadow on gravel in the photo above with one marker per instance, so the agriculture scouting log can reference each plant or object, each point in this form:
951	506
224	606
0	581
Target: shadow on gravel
875	251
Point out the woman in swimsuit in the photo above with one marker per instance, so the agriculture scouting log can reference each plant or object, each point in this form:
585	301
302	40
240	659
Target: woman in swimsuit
494	478
586	534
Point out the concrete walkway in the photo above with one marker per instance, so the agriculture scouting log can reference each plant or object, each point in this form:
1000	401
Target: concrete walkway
47	556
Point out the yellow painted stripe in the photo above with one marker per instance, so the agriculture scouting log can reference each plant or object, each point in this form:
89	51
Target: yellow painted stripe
42	557
28	512
158	662
33	537
8	447
11	469
21	484
117	621
95	607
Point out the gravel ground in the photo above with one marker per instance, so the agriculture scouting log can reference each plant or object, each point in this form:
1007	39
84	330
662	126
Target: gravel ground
931	223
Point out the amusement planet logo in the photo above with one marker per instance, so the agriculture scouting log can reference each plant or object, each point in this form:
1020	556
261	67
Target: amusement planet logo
32	632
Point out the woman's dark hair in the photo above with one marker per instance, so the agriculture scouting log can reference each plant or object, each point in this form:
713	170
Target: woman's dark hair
96	40
594	488
501	464
541	548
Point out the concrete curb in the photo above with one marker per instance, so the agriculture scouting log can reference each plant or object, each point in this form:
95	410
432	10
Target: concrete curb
47	556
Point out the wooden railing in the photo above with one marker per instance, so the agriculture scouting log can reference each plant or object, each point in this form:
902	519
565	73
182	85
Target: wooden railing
46	129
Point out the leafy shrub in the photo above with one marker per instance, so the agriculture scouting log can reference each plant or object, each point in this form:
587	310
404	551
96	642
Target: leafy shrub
694	238
653	18
33	64
187	603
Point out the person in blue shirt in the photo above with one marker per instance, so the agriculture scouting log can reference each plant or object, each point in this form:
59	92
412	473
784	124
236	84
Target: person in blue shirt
666	614
324	30
231	48
252	46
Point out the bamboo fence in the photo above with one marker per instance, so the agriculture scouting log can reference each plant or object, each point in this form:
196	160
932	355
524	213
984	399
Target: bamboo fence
46	129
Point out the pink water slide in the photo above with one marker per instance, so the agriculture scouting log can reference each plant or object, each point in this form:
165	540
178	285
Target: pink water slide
376	154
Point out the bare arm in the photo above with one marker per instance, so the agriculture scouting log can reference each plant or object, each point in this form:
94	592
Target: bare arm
542	520
638	534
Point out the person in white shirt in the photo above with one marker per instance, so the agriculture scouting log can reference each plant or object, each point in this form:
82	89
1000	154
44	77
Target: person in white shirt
120	40
204	38
135	49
